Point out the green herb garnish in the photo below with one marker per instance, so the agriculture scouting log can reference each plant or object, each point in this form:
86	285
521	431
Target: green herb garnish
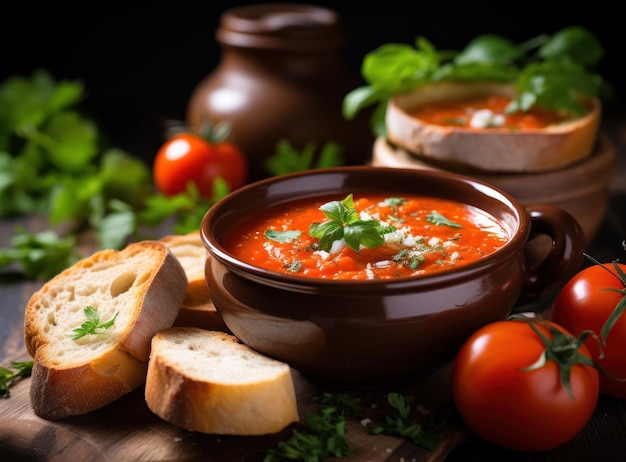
282	236
92	325
553	72
54	164
39	255
324	434
9	377
344	222
402	425
294	266
287	159
394	201
438	219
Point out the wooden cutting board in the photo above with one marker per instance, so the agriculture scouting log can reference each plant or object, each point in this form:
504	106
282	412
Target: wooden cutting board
128	430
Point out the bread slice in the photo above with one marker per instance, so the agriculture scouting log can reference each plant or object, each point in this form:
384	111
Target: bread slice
209	382
144	284
197	309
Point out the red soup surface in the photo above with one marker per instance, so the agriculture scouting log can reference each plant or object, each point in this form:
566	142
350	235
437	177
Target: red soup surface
424	235
484	112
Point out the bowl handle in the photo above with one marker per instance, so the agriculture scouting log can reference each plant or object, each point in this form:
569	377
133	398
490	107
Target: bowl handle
553	252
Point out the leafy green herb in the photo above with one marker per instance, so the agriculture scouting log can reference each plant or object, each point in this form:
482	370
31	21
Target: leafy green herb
9	377
394	201
548	71
324	434
53	164
340	401
92	325
438	219
39	255
344	222
282	236
402	425
288	159
294	266
409	259
187	208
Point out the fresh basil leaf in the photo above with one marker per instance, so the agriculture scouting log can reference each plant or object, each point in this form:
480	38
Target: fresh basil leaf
489	49
363	233
116	226
282	236
394	201
360	98
327	233
438	219
574	43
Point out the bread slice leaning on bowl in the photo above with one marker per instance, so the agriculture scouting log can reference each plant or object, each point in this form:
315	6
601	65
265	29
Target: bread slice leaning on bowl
488	149
209	382
197	309
141	286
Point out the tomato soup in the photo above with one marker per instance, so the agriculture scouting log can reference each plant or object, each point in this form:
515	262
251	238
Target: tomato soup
420	236
485	112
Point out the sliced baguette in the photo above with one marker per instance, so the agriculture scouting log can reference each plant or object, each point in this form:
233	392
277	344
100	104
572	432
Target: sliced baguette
197	309
209	382
143	284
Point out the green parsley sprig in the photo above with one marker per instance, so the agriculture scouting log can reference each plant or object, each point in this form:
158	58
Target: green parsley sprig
9	377
54	164
548	71
401	424
324	434
92	325
287	159
439	219
344	222
39	255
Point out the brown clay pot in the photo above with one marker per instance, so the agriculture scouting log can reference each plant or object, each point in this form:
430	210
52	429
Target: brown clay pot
281	76
381	333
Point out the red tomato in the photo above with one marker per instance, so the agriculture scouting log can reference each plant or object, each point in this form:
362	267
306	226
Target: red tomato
585	304
524	410
188	158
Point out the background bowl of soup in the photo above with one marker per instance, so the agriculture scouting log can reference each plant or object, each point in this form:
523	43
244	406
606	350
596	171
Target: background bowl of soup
393	321
466	124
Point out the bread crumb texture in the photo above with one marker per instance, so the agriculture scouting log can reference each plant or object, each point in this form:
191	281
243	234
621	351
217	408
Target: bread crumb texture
208	381
142	284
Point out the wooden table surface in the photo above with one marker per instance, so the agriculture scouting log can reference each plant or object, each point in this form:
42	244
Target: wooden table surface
126	430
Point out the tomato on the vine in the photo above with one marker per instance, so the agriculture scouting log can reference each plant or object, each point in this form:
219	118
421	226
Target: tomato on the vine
588	300
188	157
526	385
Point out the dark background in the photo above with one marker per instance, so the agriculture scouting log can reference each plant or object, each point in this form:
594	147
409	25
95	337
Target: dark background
140	64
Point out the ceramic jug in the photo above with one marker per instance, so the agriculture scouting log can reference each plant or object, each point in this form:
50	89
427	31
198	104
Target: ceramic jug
281	75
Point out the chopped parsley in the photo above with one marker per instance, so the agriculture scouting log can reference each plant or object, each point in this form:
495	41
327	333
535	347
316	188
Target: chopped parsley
9	377
438	219
92	325
281	236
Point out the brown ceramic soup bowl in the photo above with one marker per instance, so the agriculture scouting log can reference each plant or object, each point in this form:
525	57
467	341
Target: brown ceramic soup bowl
381	333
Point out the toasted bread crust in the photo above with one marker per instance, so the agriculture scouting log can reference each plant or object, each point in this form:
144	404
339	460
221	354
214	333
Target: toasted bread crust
197	309
142	284
232	390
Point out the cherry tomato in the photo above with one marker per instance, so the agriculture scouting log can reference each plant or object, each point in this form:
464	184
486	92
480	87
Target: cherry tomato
508	399
584	303
187	157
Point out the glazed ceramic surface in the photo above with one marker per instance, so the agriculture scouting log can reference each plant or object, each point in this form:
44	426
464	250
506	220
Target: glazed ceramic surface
281	76
581	189
490	149
374	333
